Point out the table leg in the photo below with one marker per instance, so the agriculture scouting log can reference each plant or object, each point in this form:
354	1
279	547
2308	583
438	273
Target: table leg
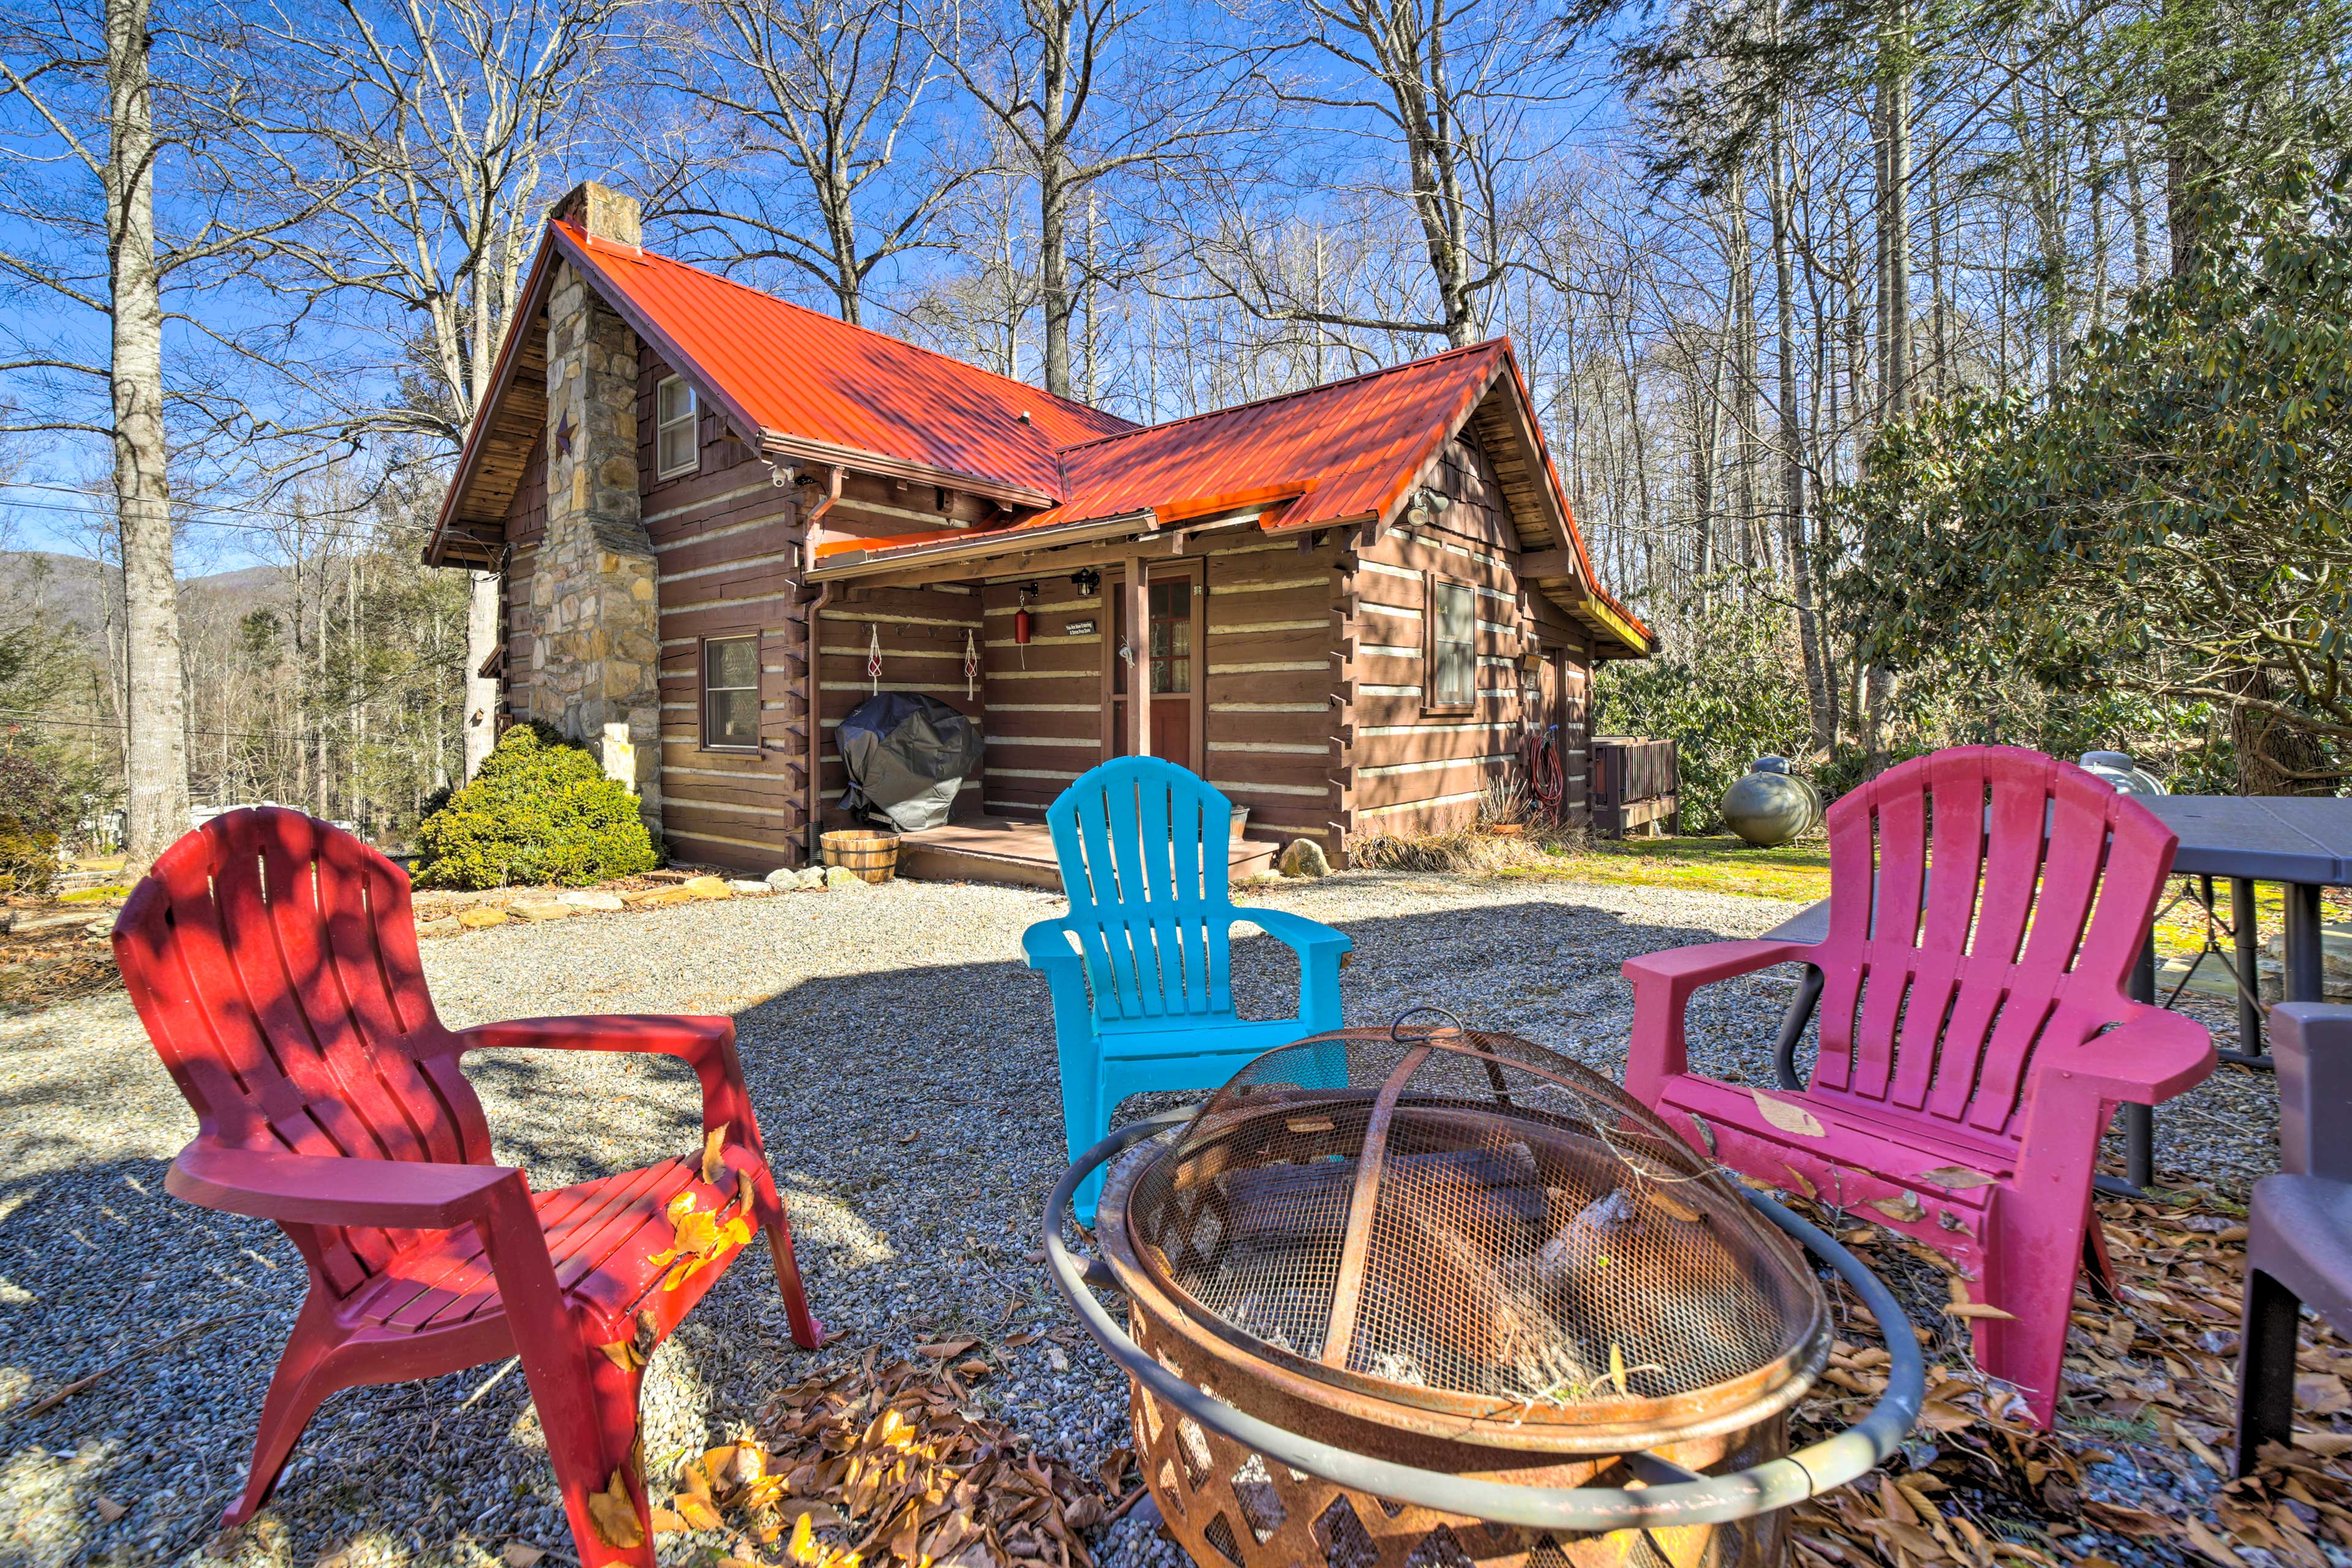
2140	1120
2304	982
2247	939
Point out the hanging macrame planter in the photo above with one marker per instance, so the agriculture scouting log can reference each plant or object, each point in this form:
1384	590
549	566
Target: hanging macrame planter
874	656
970	665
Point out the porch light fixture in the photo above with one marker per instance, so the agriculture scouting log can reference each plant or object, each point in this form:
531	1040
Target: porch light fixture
1087	581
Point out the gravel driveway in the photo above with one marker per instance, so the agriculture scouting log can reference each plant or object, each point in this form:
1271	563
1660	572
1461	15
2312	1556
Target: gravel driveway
902	1064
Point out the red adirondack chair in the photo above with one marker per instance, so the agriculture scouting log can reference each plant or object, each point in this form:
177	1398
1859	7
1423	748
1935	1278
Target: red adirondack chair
1975	1037
274	961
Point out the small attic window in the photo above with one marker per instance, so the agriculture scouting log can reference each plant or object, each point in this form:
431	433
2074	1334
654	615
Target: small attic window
677	449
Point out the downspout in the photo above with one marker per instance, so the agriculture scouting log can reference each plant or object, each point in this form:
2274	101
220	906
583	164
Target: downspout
815	605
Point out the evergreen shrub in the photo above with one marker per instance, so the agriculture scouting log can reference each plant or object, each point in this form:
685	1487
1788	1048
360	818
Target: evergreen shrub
541	811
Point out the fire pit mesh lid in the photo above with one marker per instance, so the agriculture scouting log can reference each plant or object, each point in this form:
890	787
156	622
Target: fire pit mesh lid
1466	1214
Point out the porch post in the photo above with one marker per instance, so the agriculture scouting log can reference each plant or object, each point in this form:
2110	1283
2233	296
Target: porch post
1139	669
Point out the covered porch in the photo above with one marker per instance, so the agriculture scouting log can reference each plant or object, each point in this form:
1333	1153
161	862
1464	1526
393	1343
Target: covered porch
1209	645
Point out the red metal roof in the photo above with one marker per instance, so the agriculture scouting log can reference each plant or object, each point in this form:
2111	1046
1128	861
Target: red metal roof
793	371
1343	452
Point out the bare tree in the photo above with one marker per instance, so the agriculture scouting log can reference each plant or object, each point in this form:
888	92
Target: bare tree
85	143
834	91
446	123
1424	103
1045	72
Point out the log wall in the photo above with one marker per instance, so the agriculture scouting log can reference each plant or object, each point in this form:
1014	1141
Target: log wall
1405	766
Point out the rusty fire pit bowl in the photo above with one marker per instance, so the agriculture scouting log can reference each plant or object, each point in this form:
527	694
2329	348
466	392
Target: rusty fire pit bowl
1436	1297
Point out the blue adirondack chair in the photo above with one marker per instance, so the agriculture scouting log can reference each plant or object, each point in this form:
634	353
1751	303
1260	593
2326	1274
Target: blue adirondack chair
1141	1000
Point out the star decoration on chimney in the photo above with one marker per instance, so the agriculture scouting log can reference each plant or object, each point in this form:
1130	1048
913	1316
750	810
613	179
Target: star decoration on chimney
563	436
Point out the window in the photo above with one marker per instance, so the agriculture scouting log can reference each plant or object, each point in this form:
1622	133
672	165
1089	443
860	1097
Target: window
730	692
1452	645
677	449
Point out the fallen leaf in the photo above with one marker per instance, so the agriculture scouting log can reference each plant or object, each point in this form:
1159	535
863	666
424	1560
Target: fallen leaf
713	1143
1787	1117
2212	1545
975	1367
668	1521
109	1509
940	1350
522	1554
698	1513
1706	1133
1308	1123
1955	1178
1977	1310
2124	1521
1905	1208
1056	1359
614	1515
1802	1184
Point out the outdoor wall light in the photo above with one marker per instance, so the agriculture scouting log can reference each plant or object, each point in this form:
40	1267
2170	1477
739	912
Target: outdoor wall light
1087	581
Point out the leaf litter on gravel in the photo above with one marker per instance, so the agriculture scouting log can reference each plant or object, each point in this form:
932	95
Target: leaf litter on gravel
870	1465
2138	1469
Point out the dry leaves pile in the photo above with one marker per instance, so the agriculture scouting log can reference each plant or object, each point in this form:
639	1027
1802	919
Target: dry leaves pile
871	1466
913	1473
2140	1454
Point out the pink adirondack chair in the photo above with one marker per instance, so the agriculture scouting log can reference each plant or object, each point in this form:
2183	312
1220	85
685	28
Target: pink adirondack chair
274	961
1975	1035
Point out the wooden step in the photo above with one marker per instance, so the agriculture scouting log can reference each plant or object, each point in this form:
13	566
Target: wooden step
1021	855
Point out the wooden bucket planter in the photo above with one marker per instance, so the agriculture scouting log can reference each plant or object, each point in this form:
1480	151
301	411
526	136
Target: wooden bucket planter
869	852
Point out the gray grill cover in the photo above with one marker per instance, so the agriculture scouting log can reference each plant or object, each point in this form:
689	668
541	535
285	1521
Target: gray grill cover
908	754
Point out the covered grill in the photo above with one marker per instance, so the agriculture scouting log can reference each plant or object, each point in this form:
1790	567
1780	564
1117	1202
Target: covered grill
1437	1296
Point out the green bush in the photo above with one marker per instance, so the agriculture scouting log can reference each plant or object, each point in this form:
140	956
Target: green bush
541	810
1726	691
34	812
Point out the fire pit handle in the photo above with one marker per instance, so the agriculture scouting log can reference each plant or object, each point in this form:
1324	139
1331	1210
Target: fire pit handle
1702	1500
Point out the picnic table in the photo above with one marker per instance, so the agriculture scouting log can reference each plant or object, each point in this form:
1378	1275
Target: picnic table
2303	842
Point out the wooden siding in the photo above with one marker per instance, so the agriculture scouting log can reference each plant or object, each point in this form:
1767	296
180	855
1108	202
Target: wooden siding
727	541
1044	700
1272	731
1407	767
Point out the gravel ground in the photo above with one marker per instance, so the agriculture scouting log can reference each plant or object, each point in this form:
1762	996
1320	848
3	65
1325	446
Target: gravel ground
902	1064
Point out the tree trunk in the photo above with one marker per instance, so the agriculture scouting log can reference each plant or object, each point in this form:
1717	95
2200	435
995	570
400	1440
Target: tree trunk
1820	695
1894	209
155	761
2271	755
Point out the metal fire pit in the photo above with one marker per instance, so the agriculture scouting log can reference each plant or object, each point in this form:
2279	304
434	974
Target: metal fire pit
1446	1298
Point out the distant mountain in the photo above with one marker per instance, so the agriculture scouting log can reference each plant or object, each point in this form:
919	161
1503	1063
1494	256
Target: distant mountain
68	587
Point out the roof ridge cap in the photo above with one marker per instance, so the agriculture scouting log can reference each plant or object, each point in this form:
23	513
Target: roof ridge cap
1285	397
646	253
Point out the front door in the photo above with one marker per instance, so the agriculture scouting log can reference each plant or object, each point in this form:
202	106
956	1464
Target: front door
1171	650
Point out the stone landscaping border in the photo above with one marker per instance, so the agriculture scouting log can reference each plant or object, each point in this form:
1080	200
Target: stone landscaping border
505	906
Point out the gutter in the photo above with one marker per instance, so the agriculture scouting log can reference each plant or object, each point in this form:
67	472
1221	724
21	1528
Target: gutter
815	606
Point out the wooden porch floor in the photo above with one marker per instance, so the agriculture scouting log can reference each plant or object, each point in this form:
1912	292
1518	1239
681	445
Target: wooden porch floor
1021	854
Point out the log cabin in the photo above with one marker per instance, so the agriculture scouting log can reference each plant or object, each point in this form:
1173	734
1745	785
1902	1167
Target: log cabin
721	521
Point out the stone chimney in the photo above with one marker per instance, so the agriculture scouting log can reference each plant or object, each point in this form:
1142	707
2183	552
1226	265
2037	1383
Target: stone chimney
592	586
603	212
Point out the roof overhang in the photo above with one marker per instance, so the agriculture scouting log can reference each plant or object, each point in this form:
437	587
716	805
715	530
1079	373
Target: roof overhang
450	545
848	560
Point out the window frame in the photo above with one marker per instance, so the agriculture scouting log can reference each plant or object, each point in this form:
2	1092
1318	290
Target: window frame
691	419
1431	583
703	691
